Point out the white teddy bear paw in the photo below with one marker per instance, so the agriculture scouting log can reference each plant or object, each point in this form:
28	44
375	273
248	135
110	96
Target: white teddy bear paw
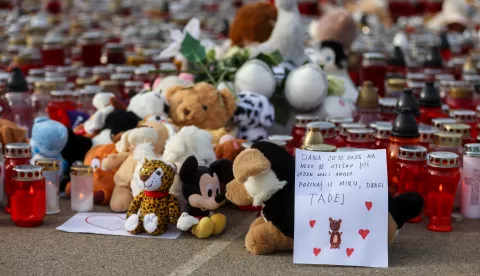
131	223
186	221
150	223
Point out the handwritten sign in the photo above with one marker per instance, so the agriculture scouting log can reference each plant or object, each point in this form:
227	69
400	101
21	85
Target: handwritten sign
341	208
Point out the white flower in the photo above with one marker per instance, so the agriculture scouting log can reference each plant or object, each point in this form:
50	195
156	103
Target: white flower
192	28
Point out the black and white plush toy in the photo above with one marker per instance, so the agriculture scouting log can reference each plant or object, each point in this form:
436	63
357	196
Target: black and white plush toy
254	113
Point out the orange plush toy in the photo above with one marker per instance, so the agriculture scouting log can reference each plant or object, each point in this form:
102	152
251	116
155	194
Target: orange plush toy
229	147
11	133
253	24
103	183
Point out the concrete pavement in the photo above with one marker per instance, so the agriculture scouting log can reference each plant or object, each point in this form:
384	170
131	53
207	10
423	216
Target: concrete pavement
46	251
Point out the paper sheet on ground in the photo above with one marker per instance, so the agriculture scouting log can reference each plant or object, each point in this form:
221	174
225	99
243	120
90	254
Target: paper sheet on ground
108	224
347	186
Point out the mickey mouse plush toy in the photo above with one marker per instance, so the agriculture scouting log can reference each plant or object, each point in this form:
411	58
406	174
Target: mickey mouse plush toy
201	187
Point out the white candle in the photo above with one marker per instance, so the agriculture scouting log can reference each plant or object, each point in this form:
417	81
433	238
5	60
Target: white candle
82	189
52	181
82	203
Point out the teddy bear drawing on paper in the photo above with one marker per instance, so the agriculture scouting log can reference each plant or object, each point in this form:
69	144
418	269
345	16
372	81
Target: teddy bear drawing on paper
335	235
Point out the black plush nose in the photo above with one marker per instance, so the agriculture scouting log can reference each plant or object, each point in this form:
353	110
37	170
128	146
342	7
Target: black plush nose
220	198
144	177
186	112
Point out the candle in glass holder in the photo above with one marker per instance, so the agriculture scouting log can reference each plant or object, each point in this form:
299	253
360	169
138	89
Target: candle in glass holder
91	45
361	138
15	154
313	135
338	121
285	140
347	126
51	172
427	135
61	103
368	108
53	52
330	135
467	117
374	69
411	163
463	129
439	122
471	182
81	188
460	96
382	135
28	198
387	108
300	128
430	104
443	176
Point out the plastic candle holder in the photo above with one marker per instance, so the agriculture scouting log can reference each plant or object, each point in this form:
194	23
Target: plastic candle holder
443	175
82	188
15	154
62	102
51	173
470	204
300	128
361	138
411	163
374	69
28	198
313	135
382	136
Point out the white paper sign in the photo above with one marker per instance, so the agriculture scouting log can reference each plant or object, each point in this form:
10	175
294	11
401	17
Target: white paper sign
108	224
341	208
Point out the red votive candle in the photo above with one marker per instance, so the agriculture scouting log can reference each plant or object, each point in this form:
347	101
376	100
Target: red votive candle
330	136
300	129
29	197
411	163
443	175
91	45
360	138
62	102
382	136
374	69
15	154
53	53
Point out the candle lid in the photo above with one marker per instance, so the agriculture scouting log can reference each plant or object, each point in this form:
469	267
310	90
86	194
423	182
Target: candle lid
367	97
350	149
327	129
429	97
17	150
427	133
374	125
397	58
338	121
412	153
120	76
416	77
126	69
444	77
359	135
344	127
407	100
448	139
84	81
277	142
460	90
303	120
27	173
48	164
285	138
396	84
472	150
405	125
464	116
443	159
383	131
129	84
313	135
17	81
463	129
80	170
439	122
320	148
101	70
374	56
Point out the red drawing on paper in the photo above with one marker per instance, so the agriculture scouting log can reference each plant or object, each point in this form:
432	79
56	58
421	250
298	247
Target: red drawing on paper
112	223
312	223
368	204
350	251
364	233
316	251
335	235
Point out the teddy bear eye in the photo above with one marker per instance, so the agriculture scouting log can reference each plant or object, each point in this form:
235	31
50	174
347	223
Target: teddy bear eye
205	107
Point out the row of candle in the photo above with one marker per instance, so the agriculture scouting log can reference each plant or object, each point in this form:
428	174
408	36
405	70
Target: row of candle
32	191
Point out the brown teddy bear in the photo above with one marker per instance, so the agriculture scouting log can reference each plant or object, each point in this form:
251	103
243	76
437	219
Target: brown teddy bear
126	163
11	133
252	24
102	180
200	105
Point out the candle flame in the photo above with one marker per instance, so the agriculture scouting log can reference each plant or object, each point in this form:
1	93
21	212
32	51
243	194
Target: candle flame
440	188
80	196
31	190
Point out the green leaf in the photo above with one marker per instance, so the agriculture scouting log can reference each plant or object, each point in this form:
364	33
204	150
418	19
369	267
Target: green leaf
282	109
272	59
211	55
192	50
336	86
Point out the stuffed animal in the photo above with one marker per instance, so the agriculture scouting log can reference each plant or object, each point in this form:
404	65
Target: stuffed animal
187	142
253	24
200	105
11	133
229	147
48	140
154	133
148	103
153	208
97	120
255	75
265	175
254	113
376	8
103	183
202	187
74	151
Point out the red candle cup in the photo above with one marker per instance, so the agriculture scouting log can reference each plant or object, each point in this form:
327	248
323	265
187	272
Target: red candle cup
114	54
467	117
443	175
460	96
416	81
411	163
347	126
91	48
387	109
101	73
53	52
382	136
29	197
374	69
339	121
462	129
284	141
62	102
15	154
300	129
427	135
330	136
360	138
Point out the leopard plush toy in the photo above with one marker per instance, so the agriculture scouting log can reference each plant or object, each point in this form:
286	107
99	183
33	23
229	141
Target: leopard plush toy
157	207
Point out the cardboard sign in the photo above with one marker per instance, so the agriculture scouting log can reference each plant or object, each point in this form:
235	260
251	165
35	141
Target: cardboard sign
341	208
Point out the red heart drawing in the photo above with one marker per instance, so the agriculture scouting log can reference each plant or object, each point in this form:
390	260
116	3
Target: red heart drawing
368	204
364	233
350	251
312	223
316	251
108	222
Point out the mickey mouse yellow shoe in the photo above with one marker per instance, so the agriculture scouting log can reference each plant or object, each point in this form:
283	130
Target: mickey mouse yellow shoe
220	221
204	228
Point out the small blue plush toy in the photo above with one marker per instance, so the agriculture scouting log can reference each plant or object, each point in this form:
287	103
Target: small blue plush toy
48	140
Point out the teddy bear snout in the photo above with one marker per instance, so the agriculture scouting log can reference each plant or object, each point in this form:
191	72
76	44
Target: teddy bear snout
186	112
144	177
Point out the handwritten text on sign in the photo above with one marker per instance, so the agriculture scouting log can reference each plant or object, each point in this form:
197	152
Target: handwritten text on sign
341	208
